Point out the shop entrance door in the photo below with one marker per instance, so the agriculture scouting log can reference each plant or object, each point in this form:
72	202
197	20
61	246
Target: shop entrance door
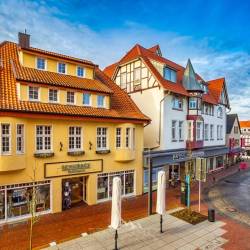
73	192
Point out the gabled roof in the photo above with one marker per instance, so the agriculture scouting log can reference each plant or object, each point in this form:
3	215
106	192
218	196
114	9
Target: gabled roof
245	124
149	55
122	107
156	49
230	122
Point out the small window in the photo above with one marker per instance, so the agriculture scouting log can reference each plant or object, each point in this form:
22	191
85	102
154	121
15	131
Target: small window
236	129
40	63
219	112
75	138
53	95
177	103
101	138
192	103
86	99
33	93
189	130
137	74
118	137
169	74
80	71
62	68
218	132
174	130
70	97
100	101
5	139
211	132
128	137
43	138
123	80
180	130
206	132
199	133
20	138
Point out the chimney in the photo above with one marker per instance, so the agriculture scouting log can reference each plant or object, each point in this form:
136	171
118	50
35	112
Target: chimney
24	40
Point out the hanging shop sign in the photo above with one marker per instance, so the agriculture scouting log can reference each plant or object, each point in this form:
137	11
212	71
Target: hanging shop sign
57	169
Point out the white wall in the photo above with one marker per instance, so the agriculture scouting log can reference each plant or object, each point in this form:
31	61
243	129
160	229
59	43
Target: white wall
208	119
170	114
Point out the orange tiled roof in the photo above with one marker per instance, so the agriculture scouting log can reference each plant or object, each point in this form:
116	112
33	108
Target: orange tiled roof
149	54
245	124
122	107
40	76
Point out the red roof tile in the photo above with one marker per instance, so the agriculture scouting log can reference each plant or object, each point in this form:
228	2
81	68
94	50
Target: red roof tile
245	124
122	107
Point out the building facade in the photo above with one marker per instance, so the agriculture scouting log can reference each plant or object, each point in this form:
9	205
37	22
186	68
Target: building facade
188	114
245	135
66	130
233	139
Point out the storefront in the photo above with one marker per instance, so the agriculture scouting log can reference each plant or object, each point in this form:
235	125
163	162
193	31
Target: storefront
16	200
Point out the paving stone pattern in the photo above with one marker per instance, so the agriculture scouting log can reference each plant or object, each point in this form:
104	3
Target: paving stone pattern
144	234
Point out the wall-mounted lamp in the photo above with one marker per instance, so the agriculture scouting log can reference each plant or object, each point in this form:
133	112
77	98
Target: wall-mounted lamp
61	146
90	145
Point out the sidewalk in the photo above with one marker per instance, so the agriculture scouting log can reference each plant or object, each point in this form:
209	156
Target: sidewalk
144	234
72	223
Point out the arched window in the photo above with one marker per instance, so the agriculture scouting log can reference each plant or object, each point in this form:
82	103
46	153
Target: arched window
219	112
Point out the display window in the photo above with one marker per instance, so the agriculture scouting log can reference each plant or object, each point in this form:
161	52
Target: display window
18	200
105	184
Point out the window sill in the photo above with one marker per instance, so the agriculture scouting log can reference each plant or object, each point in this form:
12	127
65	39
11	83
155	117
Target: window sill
76	153
102	151
181	140
177	109
44	155
174	140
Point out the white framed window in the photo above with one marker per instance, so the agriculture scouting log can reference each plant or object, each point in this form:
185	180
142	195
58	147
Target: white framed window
181	135
174	136
206	127
80	71
75	138
33	93
190	132
118	141
219	112
177	103
123	80
211	132
53	95
100	101
221	132
40	63
102	139
70	97
5	139
192	103
199	133
169	74
43	138
20	138
128	138
137	74
86	99
61	68
218	132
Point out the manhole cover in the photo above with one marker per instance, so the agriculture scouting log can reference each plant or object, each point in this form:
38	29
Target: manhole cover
231	209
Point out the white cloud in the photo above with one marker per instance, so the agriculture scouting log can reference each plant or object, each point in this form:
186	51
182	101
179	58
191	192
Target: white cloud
50	32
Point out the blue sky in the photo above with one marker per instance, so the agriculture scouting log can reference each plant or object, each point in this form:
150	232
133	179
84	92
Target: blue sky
215	35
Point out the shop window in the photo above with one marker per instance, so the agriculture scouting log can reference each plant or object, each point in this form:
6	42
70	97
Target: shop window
2	204
43	138
20	138
19	199
5	139
154	179
102	188
118	137
219	161
129	183
75	138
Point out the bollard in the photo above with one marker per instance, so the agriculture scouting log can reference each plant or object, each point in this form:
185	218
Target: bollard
211	215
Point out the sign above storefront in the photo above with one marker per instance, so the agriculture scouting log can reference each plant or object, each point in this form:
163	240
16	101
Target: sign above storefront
58	169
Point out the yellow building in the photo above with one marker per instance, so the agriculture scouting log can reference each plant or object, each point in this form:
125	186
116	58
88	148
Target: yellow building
66	129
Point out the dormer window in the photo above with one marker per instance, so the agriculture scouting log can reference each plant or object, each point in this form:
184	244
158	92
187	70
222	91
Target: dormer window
33	93
86	99
40	63
70	97
62	68
169	74
80	71
100	101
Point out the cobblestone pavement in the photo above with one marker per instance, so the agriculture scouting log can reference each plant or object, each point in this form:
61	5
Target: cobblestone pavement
144	234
